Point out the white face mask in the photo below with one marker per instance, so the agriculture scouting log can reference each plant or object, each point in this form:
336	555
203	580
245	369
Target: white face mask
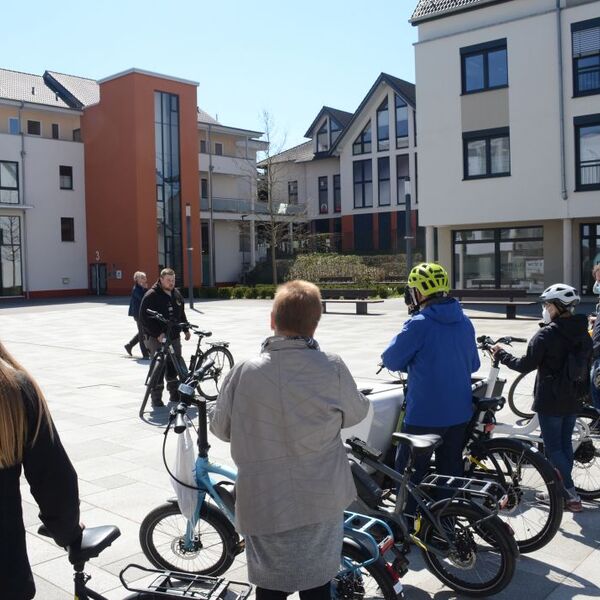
546	316
596	288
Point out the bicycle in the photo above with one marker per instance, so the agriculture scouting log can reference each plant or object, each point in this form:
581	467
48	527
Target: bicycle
157	584
218	352
209	547
464	543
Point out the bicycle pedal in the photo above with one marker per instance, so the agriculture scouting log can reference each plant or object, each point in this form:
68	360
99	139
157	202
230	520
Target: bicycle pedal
239	547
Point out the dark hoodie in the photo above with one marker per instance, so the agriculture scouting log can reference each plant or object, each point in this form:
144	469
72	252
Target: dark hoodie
547	352
437	349
170	306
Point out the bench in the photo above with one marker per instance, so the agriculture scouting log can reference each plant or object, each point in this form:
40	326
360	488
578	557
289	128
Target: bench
361	305
348	294
509	297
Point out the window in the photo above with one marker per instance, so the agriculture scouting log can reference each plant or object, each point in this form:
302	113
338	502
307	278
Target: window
402	172
292	192
363	183
9	182
218	149
335	129
67	229
486	153
77	135
203	187
323	138
203	146
362	144
383	126
383	177
586	57
323	196
587	152
66	177
14	127
10	256
34	128
55	131
337	194
484	67
401	123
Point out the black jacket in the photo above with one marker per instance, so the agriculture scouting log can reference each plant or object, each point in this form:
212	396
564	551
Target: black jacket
137	293
53	484
169	306
596	337
547	352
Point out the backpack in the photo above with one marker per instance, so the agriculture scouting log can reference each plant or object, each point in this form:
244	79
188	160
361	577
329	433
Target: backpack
573	380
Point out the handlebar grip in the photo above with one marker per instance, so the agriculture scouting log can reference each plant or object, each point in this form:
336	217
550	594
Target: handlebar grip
515	339
179	423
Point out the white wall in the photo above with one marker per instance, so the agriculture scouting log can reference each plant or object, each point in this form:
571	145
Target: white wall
228	258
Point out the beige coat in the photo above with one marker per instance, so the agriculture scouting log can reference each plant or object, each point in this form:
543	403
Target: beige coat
283	412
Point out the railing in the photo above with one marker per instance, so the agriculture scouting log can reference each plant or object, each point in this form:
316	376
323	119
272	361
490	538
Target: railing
590	172
239	205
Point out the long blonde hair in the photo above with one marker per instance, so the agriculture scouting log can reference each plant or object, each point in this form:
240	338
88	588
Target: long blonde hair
13	417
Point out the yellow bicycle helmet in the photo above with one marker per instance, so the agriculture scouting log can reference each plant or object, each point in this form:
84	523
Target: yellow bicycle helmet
429	279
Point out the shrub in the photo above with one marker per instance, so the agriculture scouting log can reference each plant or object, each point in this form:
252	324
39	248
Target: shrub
224	292
239	292
266	291
324	267
251	292
382	291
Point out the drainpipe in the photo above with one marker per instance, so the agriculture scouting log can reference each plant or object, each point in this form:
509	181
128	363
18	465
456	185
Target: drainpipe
25	265
561	104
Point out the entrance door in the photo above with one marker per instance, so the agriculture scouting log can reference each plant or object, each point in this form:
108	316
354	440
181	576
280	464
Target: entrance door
98	279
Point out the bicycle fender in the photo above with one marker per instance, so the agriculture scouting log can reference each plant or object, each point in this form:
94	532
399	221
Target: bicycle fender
356	543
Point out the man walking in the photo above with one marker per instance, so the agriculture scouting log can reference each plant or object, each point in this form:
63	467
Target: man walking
163	298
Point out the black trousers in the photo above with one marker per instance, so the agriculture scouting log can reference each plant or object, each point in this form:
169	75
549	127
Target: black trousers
138	338
322	592
170	373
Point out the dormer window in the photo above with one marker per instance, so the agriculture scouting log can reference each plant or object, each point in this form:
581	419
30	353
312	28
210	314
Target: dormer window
362	144
383	126
334	129
323	138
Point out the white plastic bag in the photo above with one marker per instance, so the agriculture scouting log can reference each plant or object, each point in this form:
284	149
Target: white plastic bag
185	467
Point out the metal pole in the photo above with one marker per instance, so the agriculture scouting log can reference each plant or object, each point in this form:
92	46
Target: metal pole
408	236
243	277
188	225
211	229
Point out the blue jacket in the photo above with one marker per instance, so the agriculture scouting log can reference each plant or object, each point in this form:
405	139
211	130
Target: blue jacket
137	293
437	349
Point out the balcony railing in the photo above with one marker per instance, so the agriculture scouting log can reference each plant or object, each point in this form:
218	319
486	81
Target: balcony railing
590	172
239	205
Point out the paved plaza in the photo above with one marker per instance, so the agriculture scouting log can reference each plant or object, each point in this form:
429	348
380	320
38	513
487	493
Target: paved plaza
75	351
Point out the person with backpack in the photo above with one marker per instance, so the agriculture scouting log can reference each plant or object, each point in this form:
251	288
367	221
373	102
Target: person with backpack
560	351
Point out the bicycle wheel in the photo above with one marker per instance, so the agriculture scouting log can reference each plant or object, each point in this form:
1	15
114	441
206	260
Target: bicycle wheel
155	372
586	463
210	386
535	505
484	557
520	395
162	537
370	582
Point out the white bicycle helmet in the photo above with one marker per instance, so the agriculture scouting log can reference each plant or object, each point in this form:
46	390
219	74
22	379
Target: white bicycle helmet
563	295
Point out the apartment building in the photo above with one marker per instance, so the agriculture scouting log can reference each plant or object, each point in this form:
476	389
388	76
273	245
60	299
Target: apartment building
353	175
509	139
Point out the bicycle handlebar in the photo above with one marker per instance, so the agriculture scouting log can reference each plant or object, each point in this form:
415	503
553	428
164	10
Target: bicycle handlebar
158	317
485	342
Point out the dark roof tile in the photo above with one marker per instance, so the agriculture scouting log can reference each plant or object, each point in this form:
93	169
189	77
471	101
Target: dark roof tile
433	9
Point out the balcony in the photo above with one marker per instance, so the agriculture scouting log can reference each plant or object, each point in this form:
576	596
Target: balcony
227	165
244	206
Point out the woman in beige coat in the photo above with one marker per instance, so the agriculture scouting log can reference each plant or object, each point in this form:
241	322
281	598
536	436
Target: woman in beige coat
283	412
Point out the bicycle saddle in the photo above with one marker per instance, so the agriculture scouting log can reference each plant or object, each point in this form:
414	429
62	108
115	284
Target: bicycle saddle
418	443
489	403
202	333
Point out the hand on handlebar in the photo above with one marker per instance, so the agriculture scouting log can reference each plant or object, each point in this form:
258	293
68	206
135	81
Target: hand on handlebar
495	349
162	337
187	334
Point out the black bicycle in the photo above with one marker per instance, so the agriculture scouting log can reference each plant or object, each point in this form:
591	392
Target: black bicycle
218	352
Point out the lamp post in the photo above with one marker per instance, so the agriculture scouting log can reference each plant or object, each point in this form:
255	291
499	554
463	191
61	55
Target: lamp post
408	229
188	226
244	248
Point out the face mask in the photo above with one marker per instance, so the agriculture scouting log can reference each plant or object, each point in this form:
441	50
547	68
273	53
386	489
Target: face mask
546	316
596	288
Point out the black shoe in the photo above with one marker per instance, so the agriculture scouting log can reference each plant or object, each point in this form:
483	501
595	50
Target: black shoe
128	349
157	403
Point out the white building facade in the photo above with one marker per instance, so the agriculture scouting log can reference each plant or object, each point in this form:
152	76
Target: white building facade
509	140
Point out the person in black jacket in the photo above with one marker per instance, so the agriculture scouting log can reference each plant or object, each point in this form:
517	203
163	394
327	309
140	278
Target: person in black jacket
139	289
165	299
30	442
563	334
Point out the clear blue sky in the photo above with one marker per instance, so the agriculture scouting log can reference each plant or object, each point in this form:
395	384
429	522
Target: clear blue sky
289	58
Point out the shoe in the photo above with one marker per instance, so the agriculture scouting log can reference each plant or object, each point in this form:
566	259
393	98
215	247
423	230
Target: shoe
543	497
157	403
573	505
128	349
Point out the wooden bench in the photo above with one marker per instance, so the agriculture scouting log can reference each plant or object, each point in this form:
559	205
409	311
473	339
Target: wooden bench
509	297
361	305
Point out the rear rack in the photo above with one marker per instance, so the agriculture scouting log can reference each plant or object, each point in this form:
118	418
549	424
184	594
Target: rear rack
171	584
491	492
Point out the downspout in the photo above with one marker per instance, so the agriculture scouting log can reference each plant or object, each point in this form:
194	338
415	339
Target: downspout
561	104
25	265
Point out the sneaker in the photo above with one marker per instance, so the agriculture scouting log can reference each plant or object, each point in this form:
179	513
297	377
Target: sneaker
573	505
543	497
128	349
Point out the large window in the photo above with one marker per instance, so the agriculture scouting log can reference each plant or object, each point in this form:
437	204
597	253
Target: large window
484	67
203	187
65	177
586	57
10	256
383	126
67	229
323	138
323	196
362	144
9	182
383	178
402	172
486	153
363	183
292	192
335	129
587	152
499	258
401	123
337	194
34	128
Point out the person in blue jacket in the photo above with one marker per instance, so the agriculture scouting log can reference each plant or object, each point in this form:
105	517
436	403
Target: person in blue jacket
137	293
437	348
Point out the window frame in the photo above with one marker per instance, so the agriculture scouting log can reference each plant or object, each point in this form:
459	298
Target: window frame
67	225
62	175
582	26
332	130
31	122
360	141
203	146
484	49
578	123
12	120
380	180
323	131
381	145
219	145
11	189
337	193
399	102
323	194
363	182
293	192
485	135
55	127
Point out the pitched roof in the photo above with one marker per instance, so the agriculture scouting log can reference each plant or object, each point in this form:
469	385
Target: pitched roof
301	153
26	87
80	91
341	116
435	9
204	117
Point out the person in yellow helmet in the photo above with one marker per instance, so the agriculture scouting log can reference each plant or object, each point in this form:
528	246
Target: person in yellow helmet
436	347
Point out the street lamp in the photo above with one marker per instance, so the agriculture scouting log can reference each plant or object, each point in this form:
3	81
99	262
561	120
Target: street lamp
408	229
243	248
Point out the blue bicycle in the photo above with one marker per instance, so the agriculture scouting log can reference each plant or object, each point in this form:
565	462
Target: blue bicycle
209	543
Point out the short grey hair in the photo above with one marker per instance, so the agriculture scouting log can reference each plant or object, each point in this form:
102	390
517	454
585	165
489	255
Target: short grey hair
137	275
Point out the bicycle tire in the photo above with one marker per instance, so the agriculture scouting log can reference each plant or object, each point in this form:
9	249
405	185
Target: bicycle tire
223	364
381	586
496	455
516	401
586	463
493	532
173	523
155	371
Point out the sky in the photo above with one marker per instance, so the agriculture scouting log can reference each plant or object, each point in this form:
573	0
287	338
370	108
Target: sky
286	58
